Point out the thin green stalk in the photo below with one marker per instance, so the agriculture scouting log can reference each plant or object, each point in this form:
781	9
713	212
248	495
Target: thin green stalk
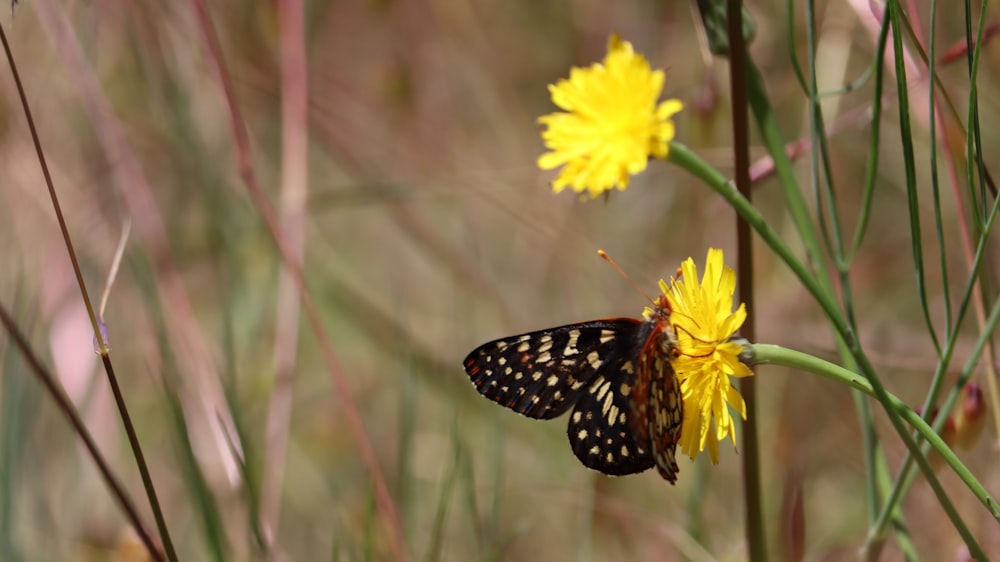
873	454
910	170
688	160
775	355
974	138
767	354
949	401
820	285
834	237
903	478
932	110
822	184
763	113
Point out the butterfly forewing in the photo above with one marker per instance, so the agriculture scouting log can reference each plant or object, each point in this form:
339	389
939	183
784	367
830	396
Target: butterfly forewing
542	374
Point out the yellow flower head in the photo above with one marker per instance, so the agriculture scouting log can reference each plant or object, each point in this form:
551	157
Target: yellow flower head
611	123
703	319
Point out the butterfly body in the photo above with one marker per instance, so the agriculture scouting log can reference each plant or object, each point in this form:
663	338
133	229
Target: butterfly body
614	373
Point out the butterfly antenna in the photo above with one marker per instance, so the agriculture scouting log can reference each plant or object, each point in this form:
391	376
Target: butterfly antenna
604	255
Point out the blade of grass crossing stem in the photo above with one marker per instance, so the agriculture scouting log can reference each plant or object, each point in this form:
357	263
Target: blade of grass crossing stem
407	430
694	502
444	499
872	453
17	401
335	547
585	530
496	454
902	533
371	521
194	479
247	464
468	480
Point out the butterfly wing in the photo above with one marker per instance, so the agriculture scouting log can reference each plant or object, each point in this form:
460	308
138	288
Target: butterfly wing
591	365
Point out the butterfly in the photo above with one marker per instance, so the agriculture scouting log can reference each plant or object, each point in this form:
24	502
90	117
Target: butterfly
614	373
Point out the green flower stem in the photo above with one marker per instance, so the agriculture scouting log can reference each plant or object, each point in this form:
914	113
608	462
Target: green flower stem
776	355
799	211
767	122
904	478
684	157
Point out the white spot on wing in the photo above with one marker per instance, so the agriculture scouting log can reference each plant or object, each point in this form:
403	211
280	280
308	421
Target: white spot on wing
574	336
546	342
594	359
601	389
613	413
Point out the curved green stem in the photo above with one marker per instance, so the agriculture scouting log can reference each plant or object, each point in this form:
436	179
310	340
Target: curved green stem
776	355
685	158
681	155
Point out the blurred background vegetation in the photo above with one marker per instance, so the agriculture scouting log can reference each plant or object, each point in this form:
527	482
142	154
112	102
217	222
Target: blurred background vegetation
427	229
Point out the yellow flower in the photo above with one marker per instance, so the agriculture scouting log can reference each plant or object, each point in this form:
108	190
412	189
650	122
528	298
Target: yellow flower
611	123
703	319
